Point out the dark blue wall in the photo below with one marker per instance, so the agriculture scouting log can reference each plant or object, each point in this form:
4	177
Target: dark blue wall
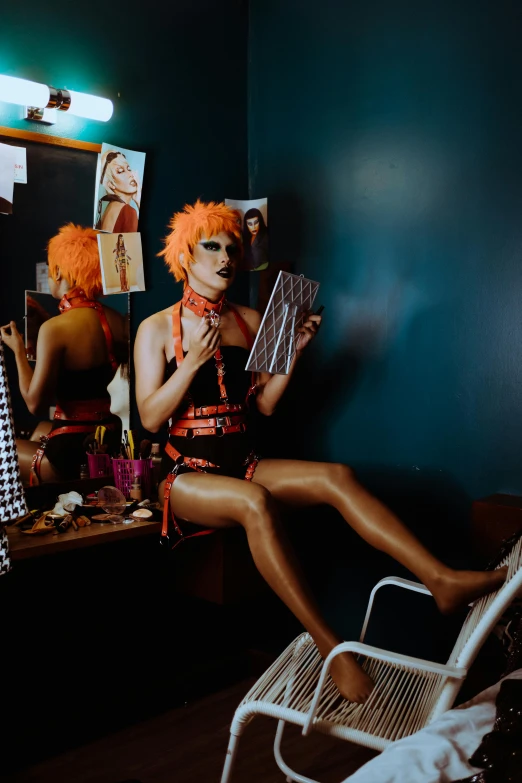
176	73
387	136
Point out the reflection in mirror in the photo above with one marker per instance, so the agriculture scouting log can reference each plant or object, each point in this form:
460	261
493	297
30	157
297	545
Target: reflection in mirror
72	368
39	307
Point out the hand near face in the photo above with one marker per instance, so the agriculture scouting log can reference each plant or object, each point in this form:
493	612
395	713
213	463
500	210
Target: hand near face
12	337
204	342
308	331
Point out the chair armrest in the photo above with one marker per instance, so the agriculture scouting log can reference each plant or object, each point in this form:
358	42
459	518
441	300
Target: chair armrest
358	648
396	581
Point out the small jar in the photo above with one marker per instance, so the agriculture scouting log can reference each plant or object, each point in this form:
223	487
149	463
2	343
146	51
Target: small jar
84	472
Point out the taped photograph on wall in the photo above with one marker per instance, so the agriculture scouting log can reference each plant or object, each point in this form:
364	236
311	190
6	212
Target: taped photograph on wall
121	260
254	225
119	177
7	174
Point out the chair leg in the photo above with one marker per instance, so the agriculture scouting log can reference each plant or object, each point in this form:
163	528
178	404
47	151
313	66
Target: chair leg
230	758
291	775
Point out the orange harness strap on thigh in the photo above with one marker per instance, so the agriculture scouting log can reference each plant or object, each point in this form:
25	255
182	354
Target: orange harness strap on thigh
69	429
197	465
36	464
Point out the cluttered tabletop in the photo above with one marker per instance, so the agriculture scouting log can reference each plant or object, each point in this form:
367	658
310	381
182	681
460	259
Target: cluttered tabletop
76	522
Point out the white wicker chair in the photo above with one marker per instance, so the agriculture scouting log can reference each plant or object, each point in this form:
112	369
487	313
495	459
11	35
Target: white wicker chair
409	692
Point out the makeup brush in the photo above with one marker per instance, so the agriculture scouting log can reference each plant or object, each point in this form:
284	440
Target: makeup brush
88	443
145	448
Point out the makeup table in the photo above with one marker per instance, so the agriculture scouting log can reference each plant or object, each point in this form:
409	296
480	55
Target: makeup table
23	547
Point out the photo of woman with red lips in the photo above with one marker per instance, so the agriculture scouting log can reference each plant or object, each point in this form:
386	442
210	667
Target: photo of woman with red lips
118	196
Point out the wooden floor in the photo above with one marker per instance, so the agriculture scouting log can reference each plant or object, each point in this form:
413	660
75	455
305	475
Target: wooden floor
188	744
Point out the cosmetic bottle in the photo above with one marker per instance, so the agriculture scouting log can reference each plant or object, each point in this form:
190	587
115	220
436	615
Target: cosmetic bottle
136	492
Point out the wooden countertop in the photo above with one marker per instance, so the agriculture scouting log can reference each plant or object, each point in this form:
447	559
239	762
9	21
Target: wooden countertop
22	547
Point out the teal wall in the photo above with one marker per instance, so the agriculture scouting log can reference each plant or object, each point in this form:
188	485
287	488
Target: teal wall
387	136
164	67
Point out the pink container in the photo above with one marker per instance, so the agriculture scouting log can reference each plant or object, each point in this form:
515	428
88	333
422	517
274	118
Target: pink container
99	465
126	469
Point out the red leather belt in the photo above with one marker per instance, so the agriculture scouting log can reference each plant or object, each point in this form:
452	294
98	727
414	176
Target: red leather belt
219	426
86	410
211	410
199	465
191	462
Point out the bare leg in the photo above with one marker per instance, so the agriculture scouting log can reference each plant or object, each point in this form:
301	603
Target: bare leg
309	483
220	502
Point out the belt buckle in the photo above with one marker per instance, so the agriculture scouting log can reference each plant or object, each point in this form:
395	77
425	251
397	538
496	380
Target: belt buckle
221	421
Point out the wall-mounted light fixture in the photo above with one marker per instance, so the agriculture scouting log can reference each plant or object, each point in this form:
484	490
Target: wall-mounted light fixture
37	98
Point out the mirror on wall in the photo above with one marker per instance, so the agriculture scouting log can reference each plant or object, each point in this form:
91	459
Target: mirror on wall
61	180
39	307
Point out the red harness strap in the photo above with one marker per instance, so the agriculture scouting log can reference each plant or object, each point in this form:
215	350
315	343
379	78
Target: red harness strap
196	421
84	410
178	348
198	465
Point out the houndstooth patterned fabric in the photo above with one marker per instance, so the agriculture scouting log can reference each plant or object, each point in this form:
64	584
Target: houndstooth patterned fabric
12	498
5	562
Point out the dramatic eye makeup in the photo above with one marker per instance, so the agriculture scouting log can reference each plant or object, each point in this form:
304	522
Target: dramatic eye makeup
210	245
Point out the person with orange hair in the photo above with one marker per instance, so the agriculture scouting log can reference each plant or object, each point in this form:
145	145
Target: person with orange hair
78	353
189	361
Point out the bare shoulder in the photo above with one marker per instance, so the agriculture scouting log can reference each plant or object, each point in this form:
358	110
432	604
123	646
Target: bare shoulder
251	317
53	326
157	323
54	333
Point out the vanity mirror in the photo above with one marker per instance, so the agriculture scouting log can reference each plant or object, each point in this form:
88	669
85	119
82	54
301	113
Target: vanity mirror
59	191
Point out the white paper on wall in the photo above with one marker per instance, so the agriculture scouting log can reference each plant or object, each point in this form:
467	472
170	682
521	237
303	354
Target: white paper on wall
42	278
7	167
20	172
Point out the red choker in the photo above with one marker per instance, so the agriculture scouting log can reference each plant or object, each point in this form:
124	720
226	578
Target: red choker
199	305
66	300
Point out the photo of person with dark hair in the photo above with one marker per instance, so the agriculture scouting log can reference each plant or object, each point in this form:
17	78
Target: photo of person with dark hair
118	193
255	241
122	262
254	231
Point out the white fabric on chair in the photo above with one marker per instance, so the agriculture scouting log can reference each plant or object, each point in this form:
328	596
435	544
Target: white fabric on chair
438	753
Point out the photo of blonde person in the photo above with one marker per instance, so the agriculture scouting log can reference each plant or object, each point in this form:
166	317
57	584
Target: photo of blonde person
118	190
121	261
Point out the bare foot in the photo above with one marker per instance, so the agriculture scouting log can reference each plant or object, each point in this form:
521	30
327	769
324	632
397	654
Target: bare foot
456	589
353	683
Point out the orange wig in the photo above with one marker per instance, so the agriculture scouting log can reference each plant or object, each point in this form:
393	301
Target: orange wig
188	226
74	251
